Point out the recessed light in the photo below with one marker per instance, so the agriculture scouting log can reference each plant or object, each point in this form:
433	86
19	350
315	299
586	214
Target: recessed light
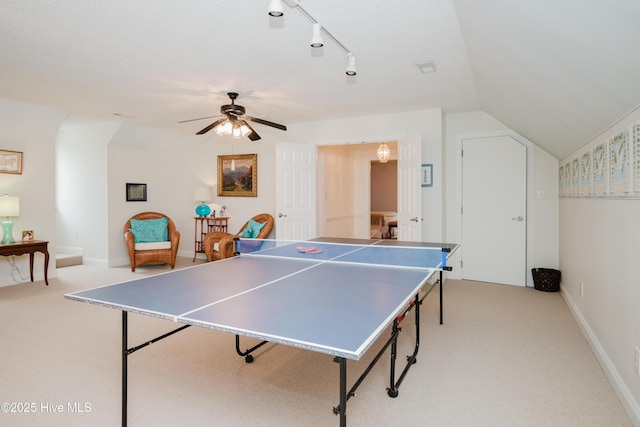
426	67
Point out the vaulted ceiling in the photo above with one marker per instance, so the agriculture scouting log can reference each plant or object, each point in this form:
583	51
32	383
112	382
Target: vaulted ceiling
558	72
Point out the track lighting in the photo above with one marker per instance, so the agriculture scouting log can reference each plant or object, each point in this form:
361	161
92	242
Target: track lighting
316	38
275	8
351	68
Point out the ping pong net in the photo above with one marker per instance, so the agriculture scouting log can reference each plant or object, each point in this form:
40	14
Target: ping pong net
390	253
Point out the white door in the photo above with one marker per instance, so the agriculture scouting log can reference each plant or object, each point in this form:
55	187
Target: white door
494	209
295	191
409	200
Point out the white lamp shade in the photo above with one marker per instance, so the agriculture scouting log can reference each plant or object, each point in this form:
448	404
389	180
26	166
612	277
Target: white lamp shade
203	194
9	206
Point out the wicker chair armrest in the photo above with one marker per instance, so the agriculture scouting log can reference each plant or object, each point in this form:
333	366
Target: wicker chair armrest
129	241
174	238
210	239
225	246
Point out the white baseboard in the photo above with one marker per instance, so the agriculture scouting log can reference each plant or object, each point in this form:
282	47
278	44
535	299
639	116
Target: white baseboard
627	400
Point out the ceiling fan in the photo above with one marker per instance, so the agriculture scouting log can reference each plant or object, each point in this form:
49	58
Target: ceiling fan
233	123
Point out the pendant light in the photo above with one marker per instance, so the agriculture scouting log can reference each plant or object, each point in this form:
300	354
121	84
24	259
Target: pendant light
383	153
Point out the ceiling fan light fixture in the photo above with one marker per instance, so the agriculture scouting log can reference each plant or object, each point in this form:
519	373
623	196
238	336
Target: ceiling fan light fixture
240	129
224	128
316	38
351	68
383	153
244	129
275	8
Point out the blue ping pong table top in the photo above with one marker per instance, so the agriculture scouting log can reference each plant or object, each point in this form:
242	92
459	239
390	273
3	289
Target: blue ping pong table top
338	308
377	252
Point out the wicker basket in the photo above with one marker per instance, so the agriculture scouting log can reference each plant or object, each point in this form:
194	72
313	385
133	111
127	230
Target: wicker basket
546	279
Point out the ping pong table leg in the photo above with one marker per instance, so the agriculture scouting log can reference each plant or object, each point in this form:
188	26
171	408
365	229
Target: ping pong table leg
125	353
441	305
342	407
393	389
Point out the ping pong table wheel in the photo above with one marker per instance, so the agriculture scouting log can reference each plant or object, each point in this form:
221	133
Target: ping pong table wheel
392	393
248	358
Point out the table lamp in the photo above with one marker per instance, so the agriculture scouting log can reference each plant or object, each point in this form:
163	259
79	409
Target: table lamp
203	195
9	207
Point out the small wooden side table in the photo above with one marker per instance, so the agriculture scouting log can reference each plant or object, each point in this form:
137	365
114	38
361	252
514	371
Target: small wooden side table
28	247
204	225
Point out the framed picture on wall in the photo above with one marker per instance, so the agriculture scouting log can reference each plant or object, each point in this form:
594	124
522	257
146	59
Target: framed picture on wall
136	192
238	175
10	162
427	175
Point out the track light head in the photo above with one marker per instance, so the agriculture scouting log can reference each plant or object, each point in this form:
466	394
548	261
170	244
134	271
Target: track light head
316	38
351	68
275	8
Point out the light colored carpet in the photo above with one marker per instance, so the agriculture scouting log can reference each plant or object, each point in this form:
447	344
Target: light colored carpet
506	356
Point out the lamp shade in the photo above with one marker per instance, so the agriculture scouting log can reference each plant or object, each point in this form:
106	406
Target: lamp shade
203	195
9	206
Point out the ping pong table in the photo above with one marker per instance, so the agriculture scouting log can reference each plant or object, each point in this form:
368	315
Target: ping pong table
340	296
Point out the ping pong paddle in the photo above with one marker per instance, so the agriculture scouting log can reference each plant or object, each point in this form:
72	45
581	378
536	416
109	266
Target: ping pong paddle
308	250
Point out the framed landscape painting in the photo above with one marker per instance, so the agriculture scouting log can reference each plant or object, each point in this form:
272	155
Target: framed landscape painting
238	175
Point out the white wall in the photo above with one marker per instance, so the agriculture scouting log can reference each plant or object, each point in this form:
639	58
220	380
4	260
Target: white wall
81	187
173	165
30	129
599	247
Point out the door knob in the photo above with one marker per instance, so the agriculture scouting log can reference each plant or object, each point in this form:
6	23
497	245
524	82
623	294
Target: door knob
414	219
281	215
519	218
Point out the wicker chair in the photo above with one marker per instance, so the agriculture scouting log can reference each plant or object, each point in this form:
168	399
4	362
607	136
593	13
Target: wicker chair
219	245
161	252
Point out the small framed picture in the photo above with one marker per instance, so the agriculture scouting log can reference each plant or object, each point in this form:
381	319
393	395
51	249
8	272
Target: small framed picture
27	235
136	192
427	175
10	162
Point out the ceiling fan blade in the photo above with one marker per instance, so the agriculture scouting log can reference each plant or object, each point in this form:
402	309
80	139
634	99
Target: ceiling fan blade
267	123
199	118
253	135
211	126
